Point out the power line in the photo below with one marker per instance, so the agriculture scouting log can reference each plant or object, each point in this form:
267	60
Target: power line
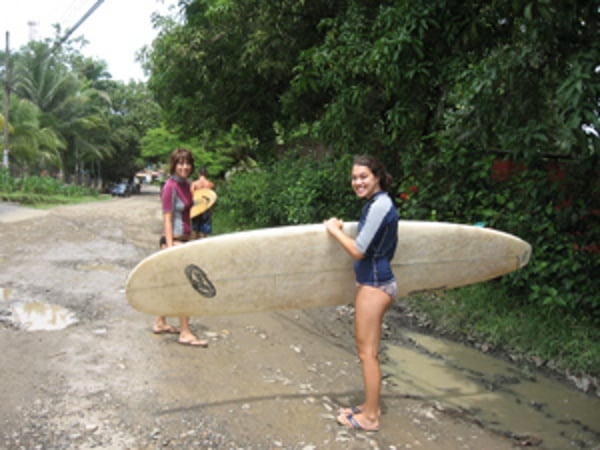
77	25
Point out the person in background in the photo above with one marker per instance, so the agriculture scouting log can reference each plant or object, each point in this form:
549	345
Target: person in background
372	250
176	197
202	224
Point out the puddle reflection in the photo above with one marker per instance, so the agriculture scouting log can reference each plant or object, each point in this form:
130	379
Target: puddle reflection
36	316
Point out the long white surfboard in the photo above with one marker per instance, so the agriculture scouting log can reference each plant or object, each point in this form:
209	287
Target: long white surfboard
302	266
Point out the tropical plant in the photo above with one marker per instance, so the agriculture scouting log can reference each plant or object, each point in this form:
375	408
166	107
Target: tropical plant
69	107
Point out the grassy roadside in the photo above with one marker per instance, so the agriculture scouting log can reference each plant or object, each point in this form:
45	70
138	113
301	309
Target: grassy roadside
486	314
43	192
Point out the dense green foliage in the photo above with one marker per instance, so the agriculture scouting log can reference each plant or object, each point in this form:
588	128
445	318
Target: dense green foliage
230	61
289	191
217	152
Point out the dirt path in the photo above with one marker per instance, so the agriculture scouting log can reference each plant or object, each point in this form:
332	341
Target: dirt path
266	381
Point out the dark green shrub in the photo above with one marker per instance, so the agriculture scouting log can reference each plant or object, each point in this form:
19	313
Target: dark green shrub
553	211
292	190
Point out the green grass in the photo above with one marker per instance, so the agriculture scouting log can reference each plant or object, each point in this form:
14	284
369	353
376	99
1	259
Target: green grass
42	192
486	313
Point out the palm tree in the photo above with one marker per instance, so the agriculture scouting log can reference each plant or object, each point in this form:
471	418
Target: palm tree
69	107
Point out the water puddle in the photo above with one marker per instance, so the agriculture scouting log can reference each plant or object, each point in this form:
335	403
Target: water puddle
497	394
38	316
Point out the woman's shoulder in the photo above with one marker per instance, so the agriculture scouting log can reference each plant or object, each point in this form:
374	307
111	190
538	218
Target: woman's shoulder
383	206
382	200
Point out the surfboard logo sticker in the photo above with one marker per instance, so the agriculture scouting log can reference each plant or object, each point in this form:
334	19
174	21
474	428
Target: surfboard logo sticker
199	281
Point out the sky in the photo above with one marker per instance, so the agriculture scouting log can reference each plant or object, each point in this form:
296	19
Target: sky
115	30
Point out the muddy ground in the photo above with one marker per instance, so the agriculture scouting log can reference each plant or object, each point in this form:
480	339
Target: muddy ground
267	381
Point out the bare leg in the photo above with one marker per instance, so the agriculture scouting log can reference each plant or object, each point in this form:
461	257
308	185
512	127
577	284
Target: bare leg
370	306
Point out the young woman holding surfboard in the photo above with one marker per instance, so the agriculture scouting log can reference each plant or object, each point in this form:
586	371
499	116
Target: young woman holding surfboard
176	197
372	251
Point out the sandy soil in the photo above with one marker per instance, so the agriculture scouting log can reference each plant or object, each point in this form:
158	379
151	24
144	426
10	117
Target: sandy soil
266	381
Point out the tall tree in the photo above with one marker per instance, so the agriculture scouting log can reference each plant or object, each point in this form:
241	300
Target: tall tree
133	112
229	62
69	106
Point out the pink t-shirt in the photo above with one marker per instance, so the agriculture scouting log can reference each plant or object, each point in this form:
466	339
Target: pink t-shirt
177	199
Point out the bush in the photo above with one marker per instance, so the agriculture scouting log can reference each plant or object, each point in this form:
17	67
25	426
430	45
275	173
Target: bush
289	191
553	211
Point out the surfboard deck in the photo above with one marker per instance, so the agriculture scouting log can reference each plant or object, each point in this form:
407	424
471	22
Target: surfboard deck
302	266
203	200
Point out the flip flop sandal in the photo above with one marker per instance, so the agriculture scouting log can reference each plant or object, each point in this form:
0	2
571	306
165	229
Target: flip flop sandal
349	410
350	422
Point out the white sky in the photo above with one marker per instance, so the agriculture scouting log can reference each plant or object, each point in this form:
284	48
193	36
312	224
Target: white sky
115	30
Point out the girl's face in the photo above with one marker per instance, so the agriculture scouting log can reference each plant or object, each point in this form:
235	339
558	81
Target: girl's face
183	168
364	183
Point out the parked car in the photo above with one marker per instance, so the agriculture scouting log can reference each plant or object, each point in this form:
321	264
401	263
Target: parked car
121	190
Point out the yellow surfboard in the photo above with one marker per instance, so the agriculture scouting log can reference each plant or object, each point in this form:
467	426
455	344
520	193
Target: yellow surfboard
203	200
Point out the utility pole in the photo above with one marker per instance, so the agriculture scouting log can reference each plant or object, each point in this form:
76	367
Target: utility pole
6	102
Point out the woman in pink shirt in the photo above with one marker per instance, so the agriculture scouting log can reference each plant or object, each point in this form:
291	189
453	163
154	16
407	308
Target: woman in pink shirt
177	201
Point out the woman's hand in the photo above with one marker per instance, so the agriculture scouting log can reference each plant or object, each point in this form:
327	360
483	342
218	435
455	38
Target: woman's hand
333	225
335	228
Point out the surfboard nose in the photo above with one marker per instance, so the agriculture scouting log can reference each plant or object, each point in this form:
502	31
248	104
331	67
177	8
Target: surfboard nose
523	259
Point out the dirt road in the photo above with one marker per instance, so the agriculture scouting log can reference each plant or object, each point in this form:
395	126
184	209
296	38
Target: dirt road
266	381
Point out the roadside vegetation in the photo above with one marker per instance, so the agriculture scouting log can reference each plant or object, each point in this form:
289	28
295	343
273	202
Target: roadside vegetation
484	112
42	192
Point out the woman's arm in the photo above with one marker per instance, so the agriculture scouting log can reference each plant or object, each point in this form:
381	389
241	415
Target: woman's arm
168	228
334	227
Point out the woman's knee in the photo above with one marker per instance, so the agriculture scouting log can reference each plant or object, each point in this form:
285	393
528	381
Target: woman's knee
368	351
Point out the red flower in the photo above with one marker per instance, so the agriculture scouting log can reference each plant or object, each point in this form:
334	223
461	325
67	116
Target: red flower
404	196
413	189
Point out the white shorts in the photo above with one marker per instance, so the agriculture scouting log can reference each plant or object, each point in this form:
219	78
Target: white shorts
390	288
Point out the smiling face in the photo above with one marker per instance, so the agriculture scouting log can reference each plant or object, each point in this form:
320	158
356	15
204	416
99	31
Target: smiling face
183	168
364	183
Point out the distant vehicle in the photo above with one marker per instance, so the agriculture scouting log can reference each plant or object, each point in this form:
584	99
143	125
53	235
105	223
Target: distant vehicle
121	190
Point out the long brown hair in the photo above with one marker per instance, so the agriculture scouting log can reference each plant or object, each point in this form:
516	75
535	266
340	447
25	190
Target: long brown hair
378	169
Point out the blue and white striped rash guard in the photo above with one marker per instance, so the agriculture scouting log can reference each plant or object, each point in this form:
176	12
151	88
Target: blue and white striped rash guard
376	240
